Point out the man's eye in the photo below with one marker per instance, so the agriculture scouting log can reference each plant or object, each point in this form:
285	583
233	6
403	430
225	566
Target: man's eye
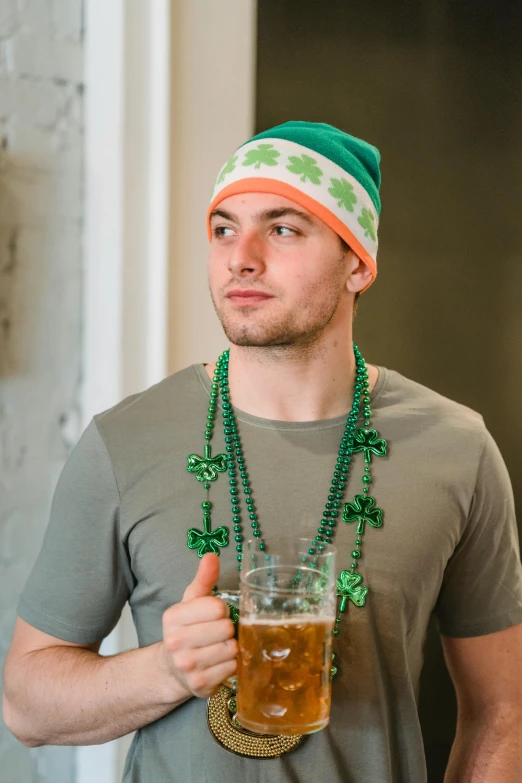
279	229
219	231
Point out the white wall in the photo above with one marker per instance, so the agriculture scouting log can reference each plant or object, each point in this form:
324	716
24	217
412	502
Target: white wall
41	216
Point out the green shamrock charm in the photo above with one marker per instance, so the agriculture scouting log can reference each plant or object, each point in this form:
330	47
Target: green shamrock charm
263	154
228	168
349	588
362	510
208	540
369	442
342	190
207	468
367	221
306	167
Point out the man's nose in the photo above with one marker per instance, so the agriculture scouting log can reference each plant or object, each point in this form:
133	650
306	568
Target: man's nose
248	255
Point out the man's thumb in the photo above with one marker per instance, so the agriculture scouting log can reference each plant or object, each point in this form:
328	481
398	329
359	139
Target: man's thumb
206	577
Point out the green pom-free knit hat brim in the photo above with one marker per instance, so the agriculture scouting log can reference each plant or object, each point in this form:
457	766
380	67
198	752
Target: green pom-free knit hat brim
332	174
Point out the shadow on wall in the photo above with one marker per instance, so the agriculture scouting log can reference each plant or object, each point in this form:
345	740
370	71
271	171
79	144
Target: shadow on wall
9	234
30	240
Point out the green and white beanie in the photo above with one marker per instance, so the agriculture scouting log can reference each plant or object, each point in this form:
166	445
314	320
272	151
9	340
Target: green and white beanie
333	175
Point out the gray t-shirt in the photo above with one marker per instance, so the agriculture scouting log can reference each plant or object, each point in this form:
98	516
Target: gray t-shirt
448	544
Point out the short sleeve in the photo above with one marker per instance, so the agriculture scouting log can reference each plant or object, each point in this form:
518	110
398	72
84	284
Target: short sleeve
482	586
81	578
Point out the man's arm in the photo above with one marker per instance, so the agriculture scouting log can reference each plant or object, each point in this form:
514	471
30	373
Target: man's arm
487	675
57	693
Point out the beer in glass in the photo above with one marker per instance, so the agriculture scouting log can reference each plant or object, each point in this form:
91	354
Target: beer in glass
287	615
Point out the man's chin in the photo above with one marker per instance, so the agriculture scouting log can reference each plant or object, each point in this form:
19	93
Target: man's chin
250	338
247	337
256	341
252	331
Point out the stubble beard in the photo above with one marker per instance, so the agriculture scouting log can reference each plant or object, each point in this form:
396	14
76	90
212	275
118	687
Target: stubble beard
248	328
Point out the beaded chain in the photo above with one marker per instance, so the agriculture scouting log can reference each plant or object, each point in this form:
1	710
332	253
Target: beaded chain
361	510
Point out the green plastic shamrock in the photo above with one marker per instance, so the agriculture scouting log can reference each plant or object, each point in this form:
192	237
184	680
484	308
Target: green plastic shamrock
369	442
208	540
342	190
367	221
333	670
306	167
206	468
228	168
362	510
263	154
348	587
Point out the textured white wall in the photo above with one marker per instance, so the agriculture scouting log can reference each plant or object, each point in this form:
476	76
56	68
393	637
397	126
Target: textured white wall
41	151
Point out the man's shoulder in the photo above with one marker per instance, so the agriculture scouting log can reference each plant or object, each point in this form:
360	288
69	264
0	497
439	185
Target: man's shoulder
415	402
155	406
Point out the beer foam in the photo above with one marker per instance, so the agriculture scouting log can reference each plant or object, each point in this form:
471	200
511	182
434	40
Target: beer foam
278	620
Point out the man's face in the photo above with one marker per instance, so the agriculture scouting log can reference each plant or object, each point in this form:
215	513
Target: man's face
277	273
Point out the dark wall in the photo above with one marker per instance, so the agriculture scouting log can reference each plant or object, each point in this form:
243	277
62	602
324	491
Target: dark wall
437	87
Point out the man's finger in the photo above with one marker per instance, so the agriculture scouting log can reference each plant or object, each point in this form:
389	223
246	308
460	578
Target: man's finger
207	657
207	682
206	577
198	634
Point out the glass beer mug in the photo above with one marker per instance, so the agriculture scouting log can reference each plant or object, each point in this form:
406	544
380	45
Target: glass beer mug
287	607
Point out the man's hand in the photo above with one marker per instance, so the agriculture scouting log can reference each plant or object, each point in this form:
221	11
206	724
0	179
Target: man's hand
198	636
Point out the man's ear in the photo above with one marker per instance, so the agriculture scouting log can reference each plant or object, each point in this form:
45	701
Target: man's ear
359	276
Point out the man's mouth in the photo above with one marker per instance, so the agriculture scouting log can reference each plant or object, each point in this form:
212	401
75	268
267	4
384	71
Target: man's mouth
247	296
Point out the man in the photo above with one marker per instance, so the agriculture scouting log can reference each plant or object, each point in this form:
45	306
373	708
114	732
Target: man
408	485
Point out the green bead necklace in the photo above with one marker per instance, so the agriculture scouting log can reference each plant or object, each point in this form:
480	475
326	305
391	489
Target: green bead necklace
362	509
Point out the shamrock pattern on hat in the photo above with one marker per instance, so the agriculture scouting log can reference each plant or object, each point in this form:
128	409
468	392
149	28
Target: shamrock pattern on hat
306	168
228	168
342	191
367	221
263	154
322	180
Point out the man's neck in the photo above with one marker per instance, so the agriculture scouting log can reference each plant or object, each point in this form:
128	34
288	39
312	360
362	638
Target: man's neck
292	385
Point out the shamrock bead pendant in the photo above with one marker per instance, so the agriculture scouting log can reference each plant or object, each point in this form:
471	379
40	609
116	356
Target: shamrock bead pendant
362	510
208	540
349	588
207	468
369	442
